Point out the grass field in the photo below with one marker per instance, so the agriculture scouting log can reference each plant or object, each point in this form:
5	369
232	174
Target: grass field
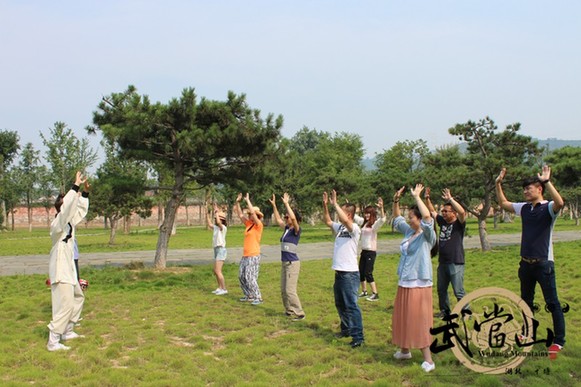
92	240
165	328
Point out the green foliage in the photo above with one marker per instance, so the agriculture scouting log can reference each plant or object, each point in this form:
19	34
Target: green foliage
313	161
203	142
66	155
8	149
488	151
565	166
566	173
156	327
400	165
120	189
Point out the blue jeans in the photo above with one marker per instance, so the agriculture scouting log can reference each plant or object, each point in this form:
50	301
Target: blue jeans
454	274
345	288
543	273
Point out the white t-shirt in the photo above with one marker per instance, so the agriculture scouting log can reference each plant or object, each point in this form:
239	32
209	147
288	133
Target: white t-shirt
219	237
345	252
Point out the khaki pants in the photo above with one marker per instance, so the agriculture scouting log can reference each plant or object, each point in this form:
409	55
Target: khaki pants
289	277
67	305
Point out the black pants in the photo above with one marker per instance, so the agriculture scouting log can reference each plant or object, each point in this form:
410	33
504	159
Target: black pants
366	263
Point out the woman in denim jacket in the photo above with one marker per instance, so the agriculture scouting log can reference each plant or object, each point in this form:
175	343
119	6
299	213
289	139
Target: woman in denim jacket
412	313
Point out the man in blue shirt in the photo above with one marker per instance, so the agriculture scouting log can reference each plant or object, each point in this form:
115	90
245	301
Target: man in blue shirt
537	262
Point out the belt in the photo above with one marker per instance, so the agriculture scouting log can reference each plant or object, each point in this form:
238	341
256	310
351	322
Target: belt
532	261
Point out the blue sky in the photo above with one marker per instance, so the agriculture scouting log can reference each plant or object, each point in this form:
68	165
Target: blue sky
386	70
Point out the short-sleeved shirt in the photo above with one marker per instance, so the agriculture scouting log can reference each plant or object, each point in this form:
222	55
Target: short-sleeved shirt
252	236
345	251
537	229
451	241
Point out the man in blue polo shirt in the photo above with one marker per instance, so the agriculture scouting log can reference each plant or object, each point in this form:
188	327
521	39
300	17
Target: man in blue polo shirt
537	262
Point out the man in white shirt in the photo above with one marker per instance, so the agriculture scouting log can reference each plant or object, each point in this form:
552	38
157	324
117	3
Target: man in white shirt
346	284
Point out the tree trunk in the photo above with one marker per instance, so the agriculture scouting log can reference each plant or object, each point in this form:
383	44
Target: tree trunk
160	215
47	216
29	219
126	224
113	232
484	243
165	232
506	218
574	210
4	215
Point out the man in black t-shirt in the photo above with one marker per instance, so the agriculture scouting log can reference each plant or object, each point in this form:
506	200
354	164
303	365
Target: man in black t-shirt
452	224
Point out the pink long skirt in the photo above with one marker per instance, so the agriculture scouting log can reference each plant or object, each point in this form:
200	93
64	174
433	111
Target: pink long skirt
412	317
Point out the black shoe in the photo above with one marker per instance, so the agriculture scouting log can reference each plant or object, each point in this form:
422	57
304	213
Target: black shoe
363	293
442	315
342	334
356	343
299	318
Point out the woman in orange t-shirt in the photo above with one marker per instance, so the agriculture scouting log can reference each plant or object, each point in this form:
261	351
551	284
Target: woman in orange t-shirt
250	262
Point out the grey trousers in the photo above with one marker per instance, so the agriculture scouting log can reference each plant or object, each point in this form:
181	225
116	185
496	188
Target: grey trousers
289	277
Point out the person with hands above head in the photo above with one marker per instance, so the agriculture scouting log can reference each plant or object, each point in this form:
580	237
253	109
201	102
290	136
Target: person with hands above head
250	262
537	264
452	224
219	227
291	265
369	228
66	294
345	288
412	311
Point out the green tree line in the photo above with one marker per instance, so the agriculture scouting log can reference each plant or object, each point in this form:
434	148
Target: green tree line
193	146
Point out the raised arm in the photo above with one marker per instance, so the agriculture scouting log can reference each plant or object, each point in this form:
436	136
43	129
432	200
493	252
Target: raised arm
343	218
545	177
380	206
460	212
326	215
429	204
500	198
209	219
238	209
217	217
416	194
251	211
82	203
290	212
277	217
396	197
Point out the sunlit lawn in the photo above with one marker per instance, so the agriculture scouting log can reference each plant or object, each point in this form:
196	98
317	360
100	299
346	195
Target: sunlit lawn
21	242
147	327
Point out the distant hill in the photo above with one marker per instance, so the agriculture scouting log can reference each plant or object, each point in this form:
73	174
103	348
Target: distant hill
555	143
550	143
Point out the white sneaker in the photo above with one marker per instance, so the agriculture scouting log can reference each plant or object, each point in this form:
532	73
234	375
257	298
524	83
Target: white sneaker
402	356
428	367
216	291
221	292
71	335
57	347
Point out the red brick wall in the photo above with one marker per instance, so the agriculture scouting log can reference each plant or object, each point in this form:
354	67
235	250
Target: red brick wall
194	216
